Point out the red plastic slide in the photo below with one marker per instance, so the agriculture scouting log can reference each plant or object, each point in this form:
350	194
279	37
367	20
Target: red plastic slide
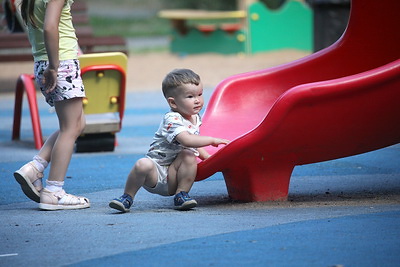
341	101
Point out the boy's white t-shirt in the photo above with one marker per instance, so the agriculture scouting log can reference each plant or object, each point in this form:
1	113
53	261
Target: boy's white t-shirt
165	148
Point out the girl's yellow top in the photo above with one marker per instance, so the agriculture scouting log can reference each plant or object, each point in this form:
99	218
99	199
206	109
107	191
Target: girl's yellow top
68	44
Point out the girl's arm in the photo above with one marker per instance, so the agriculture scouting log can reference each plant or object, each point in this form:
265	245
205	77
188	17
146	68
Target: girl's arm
51	39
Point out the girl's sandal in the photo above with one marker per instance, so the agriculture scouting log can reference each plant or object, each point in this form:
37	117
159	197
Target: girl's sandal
61	201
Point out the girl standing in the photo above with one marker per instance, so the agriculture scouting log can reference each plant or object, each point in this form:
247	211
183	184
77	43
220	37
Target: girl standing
57	72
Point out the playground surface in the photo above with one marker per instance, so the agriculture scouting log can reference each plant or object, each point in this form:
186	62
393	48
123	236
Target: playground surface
344	212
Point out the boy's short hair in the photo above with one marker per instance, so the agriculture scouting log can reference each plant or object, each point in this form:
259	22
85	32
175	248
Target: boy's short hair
176	78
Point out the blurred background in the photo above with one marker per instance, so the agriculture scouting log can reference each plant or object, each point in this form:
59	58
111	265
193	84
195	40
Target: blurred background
155	47
139	18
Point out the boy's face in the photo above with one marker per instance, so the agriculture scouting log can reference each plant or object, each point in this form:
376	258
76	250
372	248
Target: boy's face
188	100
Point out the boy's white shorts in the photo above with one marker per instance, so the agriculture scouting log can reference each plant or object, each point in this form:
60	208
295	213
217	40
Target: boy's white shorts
161	187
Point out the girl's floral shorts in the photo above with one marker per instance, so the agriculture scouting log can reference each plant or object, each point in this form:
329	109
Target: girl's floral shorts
69	81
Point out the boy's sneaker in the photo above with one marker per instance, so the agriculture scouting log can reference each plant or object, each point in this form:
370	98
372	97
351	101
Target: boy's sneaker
183	201
123	203
30	180
61	201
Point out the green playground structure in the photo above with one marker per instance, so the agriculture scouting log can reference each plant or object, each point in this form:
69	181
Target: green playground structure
255	28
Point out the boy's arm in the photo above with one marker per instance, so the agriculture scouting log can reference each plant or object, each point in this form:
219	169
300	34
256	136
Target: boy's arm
191	140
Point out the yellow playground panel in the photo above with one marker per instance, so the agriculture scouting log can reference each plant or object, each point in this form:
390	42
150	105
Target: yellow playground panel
104	78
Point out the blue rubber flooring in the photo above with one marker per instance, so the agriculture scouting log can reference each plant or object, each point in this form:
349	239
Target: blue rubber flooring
343	212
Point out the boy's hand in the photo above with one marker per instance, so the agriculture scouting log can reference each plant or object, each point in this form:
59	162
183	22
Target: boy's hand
216	142
220	141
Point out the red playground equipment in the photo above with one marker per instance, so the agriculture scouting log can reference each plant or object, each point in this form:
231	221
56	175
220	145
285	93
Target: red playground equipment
338	102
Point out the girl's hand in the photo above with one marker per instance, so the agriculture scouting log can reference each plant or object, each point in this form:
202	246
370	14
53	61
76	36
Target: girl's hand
49	80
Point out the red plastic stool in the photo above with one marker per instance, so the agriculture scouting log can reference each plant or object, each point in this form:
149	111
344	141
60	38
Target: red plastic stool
26	81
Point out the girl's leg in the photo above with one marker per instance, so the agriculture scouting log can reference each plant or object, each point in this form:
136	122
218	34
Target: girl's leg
45	151
61	145
30	175
71	122
57	148
182	172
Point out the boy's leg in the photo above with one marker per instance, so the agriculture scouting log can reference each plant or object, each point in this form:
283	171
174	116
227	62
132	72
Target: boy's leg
182	172
144	172
181	176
